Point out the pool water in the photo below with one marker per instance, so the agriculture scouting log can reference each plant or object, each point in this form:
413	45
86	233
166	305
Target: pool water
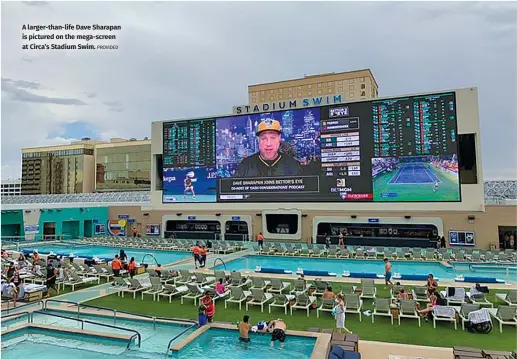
249	263
163	257
224	343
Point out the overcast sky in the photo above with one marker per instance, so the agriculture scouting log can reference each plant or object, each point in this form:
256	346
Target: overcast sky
196	59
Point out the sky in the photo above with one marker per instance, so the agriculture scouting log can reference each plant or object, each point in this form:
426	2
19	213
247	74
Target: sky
179	59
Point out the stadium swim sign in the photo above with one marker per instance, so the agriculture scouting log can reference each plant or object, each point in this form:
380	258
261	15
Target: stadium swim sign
290	104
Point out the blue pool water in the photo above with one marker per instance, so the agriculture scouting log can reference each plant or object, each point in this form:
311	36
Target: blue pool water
367	266
163	257
223	343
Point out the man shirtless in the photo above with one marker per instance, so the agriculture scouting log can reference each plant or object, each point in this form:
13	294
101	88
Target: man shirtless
387	271
278	328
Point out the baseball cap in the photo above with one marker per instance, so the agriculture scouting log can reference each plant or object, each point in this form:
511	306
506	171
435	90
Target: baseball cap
269	125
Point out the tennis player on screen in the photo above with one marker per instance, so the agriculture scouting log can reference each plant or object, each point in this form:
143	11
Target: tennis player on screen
435	188
269	161
188	182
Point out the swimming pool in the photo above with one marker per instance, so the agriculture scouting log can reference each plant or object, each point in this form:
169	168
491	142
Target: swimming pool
163	257
224	343
338	266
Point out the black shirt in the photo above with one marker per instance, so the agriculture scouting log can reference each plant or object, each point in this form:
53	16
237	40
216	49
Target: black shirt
254	166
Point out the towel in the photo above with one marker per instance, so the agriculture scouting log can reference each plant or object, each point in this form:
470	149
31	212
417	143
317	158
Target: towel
451	291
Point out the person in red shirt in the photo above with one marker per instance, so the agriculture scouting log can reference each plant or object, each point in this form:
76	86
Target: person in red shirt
116	265
208	304
132	267
202	256
195	252
260	240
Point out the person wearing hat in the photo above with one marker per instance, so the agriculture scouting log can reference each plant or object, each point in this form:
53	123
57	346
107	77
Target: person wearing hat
269	161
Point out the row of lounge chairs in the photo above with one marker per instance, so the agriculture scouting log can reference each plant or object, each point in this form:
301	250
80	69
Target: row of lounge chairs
359	252
165	244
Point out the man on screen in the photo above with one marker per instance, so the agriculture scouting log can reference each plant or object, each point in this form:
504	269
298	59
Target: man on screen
269	161
188	182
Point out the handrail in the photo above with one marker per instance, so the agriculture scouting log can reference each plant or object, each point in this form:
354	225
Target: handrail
149	254
82	321
6	310
215	260
29	316
179	335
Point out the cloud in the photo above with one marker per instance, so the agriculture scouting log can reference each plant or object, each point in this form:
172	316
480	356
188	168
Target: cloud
181	59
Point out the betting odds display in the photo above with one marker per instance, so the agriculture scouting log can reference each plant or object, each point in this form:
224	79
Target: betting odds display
399	150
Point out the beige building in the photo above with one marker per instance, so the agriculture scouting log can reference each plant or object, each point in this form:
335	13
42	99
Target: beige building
123	165
355	85
87	166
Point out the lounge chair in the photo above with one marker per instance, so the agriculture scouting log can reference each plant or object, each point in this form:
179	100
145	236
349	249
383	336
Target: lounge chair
185	277
219	274
464	311
300	286
195	291
509	298
103	272
478	297
368	289
381	306
135	286
316	252
321	287
505	315
259	283
203	279
155	289
457	298
394	291
237	280
408	310
445	314
348	289
277	286
259	297
420	294
327	305
353	304
74	279
237	295
170	290
281	301
303	301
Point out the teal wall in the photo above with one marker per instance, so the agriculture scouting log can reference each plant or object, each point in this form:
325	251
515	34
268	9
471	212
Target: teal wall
70	221
12	223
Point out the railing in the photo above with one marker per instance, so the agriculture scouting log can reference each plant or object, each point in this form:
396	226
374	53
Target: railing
29	316
21	306
215	261
83	321
151	255
195	324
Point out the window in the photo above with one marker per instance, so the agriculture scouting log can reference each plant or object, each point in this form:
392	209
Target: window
351	87
271	98
363	93
309	93
280	97
253	100
340	82
363	86
290	95
290	89
362	79
299	94
280	90
299	87
330	83
351	81
351	95
340	89
329	90
319	85
309	86
319	92
282	223
262	99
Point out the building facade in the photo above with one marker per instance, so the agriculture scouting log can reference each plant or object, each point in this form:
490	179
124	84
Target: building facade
58	169
11	187
123	165
354	85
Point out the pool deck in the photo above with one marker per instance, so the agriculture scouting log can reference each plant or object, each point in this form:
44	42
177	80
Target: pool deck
378	350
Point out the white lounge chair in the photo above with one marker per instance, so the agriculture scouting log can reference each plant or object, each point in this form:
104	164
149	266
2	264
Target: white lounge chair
237	295
170	290
445	314
259	297
509	298
277	286
353	304
155	289
327	305
303	301
505	315
408	310
381	306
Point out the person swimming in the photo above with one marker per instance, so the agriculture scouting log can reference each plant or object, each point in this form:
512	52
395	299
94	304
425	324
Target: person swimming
278	329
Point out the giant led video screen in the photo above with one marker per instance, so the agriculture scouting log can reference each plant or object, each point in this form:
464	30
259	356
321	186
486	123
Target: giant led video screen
395	150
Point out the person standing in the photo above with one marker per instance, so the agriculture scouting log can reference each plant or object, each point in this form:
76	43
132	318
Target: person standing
260	240
339	314
195	253
341	239
387	271
135	231
202	254
278	327
244	329
51	279
116	266
132	267
208	304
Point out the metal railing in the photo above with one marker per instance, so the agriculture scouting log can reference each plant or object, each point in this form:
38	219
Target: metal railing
6	310
29	316
215	261
195	324
83	321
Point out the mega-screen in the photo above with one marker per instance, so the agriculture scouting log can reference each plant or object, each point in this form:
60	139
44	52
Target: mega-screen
399	150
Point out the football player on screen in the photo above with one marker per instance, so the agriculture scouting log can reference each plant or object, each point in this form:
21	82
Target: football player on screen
188	182
269	161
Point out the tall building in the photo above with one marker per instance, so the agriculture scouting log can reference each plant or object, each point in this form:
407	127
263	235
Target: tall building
123	165
354	85
87	166
11	187
59	169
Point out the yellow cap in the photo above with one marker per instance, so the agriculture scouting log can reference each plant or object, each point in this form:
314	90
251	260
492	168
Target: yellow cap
268	125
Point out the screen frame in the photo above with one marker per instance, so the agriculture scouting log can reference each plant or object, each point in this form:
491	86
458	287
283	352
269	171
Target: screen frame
163	124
